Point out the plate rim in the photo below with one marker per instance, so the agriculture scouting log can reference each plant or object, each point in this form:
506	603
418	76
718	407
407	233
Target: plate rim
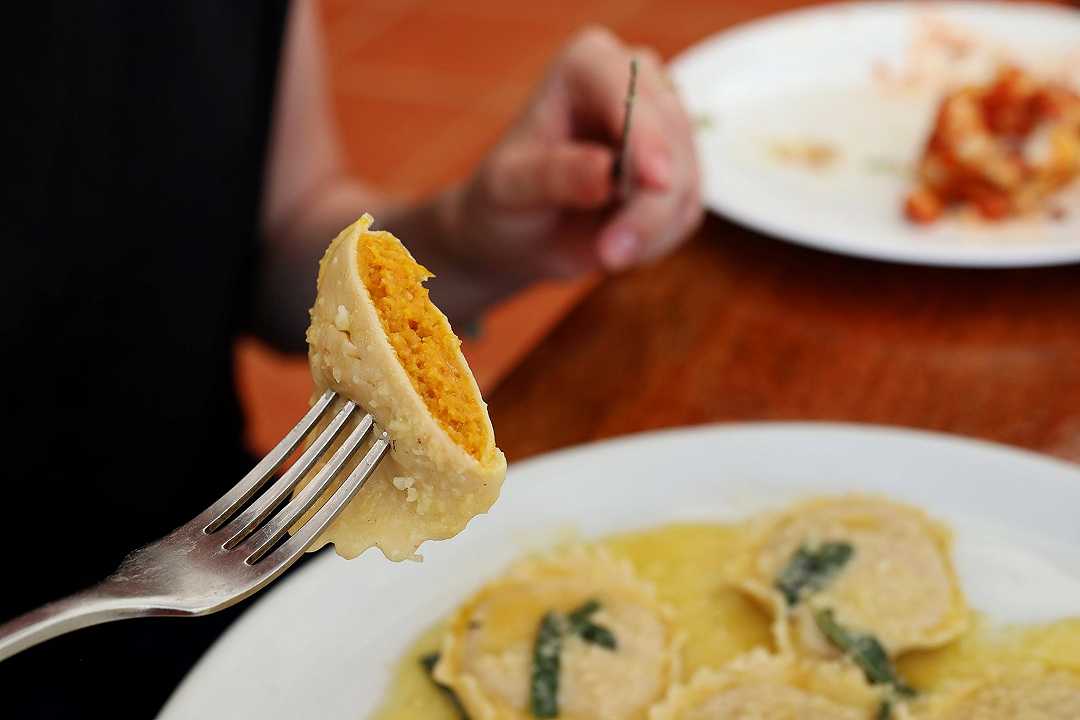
840	426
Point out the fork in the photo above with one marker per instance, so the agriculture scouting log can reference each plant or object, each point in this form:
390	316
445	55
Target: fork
231	550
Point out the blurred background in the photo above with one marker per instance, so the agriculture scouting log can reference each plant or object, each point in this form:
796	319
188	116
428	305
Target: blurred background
422	88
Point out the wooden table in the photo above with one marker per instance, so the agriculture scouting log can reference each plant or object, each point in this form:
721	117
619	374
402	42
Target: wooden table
735	326
739	327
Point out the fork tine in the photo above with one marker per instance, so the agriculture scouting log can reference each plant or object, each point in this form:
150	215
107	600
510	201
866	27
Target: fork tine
220	512
249	520
302	540
272	531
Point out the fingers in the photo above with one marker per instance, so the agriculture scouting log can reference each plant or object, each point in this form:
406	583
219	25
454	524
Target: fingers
594	76
660	220
654	74
649	226
654	221
650	147
657	217
532	175
652	153
594	73
665	206
544	200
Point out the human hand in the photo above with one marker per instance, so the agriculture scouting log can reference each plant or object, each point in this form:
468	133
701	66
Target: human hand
542	203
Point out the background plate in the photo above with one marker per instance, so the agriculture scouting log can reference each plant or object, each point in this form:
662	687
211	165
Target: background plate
836	76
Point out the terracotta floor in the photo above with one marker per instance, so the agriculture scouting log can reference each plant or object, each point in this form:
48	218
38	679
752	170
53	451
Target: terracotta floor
422	88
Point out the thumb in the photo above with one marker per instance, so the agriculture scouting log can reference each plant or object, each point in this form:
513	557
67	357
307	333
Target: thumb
536	176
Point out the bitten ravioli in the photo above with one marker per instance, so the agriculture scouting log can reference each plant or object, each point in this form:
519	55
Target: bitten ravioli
897	581
377	339
1034	694
488	655
761	686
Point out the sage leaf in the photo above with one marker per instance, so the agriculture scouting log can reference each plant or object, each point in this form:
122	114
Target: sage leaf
544	684
428	662
864	650
580	623
809	570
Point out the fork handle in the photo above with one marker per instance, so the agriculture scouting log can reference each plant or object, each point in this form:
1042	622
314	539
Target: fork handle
92	606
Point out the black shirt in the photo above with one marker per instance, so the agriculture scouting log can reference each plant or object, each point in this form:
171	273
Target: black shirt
136	143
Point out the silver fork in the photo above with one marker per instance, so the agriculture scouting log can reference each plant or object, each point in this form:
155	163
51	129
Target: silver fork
223	555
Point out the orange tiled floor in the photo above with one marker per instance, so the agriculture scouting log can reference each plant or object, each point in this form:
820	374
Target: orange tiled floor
422	88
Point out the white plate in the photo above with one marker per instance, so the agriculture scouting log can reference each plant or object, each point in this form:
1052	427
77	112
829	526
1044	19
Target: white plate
810	76
324	642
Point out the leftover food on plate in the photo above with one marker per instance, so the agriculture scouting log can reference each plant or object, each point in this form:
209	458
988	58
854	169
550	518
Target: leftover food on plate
809	154
376	338
680	622
1002	149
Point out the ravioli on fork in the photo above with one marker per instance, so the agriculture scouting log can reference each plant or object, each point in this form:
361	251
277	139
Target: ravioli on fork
377	339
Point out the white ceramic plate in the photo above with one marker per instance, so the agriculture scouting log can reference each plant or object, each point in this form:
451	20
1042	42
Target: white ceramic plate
842	76
324	642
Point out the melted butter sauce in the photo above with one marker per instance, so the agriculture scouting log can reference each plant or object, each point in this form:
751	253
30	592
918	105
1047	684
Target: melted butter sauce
690	567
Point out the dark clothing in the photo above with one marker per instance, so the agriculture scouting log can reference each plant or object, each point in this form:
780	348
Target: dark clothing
138	132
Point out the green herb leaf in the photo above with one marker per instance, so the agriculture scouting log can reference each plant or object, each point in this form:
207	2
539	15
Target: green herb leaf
885	710
810	570
547	652
864	650
428	662
598	635
580	617
544	685
579	622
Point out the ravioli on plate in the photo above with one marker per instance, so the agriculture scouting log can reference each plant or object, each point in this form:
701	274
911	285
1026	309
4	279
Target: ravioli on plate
574	635
776	687
861	564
